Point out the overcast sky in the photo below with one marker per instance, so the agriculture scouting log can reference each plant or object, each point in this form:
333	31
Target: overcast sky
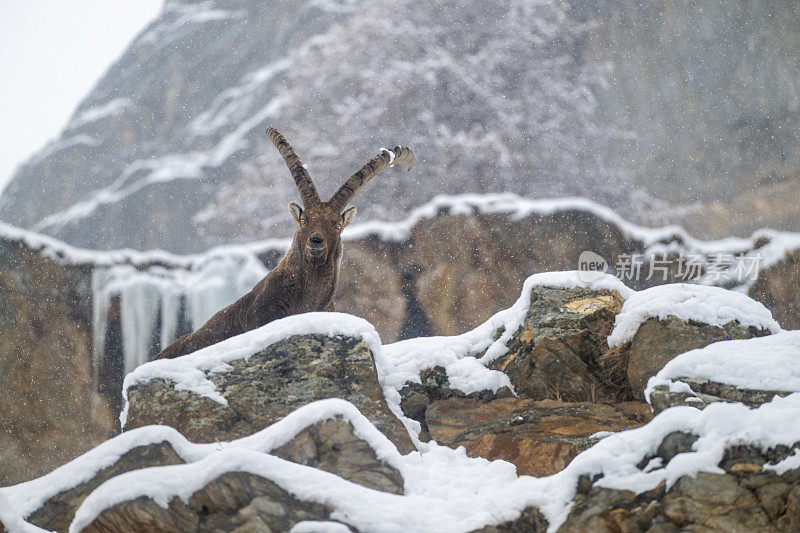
51	54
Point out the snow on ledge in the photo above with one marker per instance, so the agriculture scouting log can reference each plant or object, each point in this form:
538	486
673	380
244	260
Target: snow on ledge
465	357
513	206
189	372
701	303
25	498
770	363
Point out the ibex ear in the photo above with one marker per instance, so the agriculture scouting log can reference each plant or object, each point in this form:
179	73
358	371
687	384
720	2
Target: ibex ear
348	215
296	211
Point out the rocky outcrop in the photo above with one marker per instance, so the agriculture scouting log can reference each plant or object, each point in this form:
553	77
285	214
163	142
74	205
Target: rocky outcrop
49	408
703	392
556	353
316	441
58	510
744	498
752	372
539	437
210	128
267	386
332	445
234	501
657	342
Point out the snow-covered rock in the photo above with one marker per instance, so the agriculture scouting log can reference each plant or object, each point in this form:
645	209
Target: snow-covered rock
738	463
659	323
331	435
240	385
751	371
690	303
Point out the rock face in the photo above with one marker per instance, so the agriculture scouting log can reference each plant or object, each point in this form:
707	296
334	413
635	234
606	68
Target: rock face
744	498
49	410
58	511
658	341
556	354
235	501
330	444
539	437
269	385
705	392
153	110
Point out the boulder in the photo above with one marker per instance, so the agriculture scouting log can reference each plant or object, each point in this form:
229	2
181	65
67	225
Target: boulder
235	501
539	437
434	385
58	511
556	353
332	445
267	386
328	444
752	372
744	498
658	341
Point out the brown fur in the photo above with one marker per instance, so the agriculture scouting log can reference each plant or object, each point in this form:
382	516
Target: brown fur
304	280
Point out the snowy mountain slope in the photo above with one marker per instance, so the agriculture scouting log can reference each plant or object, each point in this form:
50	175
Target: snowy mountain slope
148	145
168	149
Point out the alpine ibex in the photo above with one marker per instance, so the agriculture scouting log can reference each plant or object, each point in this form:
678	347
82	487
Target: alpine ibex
305	279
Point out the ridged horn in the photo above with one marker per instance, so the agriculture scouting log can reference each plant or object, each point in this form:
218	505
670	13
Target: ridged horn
379	163
308	193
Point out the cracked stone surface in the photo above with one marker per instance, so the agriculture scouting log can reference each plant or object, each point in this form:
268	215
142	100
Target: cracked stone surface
658	341
706	392
235	501
539	437
556	353
268	386
743	499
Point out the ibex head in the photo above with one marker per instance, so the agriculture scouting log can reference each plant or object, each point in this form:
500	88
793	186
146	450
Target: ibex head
321	223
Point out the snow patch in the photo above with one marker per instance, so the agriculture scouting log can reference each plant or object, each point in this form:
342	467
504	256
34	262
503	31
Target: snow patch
100	111
53	147
705	304
770	363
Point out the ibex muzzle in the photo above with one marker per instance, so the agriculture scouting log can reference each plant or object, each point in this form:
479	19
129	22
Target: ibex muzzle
305	279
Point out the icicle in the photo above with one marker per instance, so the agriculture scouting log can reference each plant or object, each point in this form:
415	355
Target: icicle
100	302
209	285
220	282
170	314
139	304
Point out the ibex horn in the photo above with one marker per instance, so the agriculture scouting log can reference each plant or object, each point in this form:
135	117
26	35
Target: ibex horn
387	158
308	193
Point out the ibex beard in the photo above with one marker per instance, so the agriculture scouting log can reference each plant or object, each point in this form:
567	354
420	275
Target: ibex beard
305	279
